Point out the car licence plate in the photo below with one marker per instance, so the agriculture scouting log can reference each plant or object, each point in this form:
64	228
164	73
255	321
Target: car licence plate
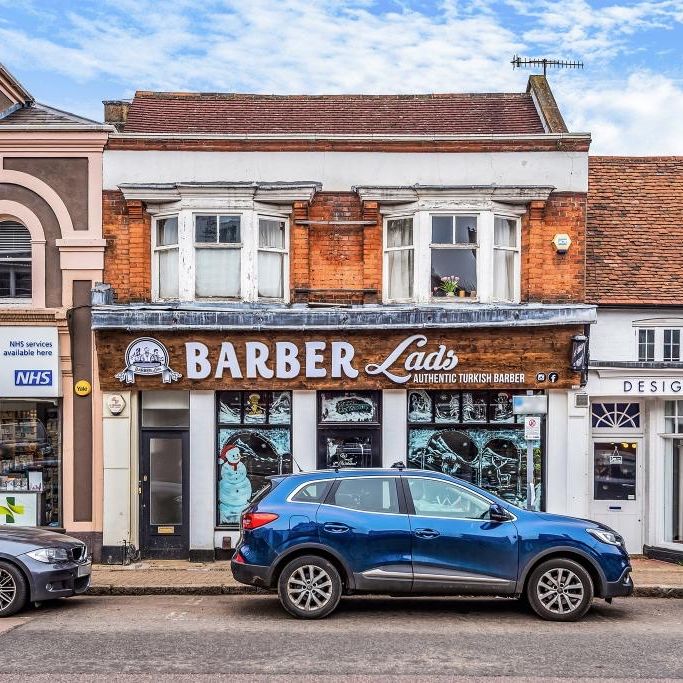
84	569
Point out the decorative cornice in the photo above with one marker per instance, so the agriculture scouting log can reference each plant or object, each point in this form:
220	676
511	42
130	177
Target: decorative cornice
514	194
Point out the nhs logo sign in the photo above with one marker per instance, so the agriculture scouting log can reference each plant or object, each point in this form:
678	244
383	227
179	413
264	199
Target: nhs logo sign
33	378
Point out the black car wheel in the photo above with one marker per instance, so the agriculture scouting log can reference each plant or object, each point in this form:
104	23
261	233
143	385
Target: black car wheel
309	587
560	590
13	590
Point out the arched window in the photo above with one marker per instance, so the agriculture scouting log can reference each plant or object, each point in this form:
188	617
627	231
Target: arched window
15	261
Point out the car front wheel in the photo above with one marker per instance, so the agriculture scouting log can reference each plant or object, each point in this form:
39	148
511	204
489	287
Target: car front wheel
13	590
309	587
560	590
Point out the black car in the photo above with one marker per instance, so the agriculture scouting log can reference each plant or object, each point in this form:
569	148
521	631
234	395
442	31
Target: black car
37	565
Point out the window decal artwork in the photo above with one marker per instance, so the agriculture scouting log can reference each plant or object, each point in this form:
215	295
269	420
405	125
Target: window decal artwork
254	442
494	459
615	415
348	406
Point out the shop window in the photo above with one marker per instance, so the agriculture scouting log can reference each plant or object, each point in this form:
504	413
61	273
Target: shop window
254	442
15	261
400	258
614	470
646	345
673	417
218	255
472	435
376	494
672	346
615	415
161	409
30	458
349	429
673	497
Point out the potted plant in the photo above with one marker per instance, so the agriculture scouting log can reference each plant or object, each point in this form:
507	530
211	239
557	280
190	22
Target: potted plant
449	284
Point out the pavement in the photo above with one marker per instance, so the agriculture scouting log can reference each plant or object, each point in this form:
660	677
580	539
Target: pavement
250	638
652	579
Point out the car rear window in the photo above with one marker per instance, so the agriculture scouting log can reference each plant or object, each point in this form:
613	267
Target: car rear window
367	494
314	492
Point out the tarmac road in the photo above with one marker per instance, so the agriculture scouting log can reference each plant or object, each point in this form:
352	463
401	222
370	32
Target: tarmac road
368	638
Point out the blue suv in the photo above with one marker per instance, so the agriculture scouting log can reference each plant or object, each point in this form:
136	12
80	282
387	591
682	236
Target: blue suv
319	535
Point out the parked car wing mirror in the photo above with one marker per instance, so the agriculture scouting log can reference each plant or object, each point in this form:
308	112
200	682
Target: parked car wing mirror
498	514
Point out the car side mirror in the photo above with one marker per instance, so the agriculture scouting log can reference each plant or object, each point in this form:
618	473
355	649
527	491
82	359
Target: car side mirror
498	514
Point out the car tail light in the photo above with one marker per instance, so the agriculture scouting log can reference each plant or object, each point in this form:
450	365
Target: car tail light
238	558
254	520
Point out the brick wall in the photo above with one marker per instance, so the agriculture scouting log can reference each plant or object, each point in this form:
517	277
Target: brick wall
546	275
127	263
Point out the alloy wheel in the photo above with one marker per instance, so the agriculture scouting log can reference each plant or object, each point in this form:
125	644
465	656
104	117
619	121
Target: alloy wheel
560	590
309	588
8	589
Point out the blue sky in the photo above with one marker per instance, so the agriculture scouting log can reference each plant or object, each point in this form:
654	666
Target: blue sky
74	53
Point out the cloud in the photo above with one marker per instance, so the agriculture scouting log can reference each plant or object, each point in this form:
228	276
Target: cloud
113	47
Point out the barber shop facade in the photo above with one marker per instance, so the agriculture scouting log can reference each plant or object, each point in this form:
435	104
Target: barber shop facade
279	302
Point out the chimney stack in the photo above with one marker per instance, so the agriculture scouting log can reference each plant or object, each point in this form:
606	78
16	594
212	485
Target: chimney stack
116	113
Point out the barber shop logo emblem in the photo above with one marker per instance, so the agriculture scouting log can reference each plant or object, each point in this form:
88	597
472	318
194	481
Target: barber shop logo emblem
147	357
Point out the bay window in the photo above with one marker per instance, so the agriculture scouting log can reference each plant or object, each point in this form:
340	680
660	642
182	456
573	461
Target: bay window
220	255
452	257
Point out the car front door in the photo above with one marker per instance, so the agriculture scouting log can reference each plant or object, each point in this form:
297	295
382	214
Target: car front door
364	521
456	548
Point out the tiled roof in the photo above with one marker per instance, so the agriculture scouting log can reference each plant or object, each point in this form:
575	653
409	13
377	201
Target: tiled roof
635	230
40	116
239	114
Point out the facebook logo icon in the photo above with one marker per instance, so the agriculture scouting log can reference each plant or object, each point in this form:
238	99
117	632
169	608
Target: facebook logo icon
33	378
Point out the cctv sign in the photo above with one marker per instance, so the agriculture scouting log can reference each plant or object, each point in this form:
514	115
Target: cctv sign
29	362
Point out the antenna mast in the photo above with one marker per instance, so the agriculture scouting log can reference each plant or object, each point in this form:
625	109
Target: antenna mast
523	62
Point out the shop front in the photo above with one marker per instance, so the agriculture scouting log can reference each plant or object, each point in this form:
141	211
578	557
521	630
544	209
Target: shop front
195	421
636	456
30	427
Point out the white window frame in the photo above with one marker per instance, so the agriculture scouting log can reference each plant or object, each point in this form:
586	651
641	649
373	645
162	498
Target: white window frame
156	250
658	326
422	246
249	236
273	250
386	250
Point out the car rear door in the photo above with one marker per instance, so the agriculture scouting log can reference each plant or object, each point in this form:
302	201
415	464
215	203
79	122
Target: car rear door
455	547
364	520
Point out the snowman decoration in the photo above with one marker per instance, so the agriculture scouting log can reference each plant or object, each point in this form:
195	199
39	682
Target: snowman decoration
234	487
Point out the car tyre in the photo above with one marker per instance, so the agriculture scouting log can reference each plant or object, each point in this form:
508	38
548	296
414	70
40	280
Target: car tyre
13	590
309	587
560	590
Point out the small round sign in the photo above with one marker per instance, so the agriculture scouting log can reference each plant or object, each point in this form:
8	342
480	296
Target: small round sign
82	387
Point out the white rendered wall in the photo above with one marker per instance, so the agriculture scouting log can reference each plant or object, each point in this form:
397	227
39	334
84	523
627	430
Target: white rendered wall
304	411
556	453
394	426
339	171
202	469
118	480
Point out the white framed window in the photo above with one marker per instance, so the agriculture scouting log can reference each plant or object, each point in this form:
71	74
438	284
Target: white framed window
673	417
658	340
15	262
220	255
272	257
217	256
452	256
646	345
672	345
166	257
399	250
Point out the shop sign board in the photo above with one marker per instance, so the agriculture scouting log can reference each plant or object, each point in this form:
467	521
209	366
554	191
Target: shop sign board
530	405
671	386
19	508
29	362
472	359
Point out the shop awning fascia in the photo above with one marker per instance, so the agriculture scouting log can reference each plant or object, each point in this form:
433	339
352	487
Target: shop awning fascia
264	317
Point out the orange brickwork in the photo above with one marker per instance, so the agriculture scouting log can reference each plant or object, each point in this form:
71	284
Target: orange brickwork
547	276
127	262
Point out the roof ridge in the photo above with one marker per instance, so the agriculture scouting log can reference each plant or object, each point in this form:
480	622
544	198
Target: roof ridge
187	94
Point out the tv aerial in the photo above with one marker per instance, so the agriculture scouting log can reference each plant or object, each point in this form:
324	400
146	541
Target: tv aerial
525	62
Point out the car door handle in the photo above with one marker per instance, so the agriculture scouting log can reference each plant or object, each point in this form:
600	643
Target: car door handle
426	533
335	527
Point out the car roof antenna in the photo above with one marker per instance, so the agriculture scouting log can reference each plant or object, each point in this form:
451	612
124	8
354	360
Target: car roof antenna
398	465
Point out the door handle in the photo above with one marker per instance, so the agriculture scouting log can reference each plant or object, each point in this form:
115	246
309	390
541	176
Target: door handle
335	527
426	533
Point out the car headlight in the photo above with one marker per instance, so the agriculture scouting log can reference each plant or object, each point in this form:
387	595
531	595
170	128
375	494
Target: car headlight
49	555
605	536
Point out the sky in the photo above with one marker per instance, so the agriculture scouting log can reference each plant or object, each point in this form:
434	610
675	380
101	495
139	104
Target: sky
72	54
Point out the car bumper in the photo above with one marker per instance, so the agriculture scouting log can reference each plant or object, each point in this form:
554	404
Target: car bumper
251	574
620	588
58	580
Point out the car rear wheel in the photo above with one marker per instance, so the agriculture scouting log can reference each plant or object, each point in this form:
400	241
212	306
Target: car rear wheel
13	590
309	587
560	590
